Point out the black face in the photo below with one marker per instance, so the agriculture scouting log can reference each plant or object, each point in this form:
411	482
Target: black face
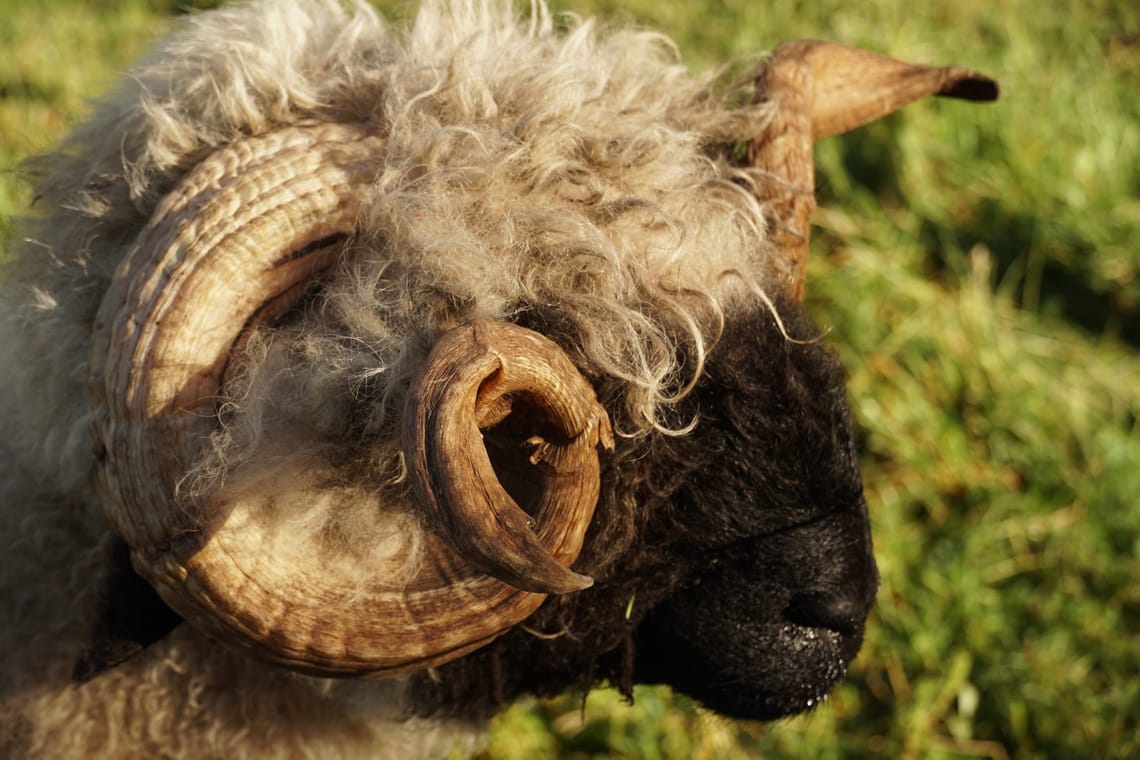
733	563
766	624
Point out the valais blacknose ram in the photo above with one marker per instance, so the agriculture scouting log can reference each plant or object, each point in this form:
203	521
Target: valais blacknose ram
359	380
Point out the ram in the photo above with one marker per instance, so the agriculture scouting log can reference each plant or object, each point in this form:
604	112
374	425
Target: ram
357	381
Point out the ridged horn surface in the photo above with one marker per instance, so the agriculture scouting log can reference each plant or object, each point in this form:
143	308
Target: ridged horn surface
821	89
237	242
476	378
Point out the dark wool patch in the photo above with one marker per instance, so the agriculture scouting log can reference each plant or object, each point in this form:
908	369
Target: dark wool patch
131	617
758	509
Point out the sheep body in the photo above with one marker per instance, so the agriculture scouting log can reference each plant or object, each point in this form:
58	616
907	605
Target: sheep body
559	179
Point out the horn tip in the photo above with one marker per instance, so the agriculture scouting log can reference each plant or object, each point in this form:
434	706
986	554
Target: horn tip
565	581
574	582
970	85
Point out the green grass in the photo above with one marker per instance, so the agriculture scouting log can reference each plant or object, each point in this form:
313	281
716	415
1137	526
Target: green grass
979	270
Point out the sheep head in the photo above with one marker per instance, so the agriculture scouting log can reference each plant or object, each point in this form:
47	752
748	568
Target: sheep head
501	434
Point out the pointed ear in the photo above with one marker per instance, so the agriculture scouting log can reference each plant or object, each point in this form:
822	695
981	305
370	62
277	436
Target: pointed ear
130	618
847	87
818	89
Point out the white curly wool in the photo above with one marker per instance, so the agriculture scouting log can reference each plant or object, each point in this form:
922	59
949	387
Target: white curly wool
536	169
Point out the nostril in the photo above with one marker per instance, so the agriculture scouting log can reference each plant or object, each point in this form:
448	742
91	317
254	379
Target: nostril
821	610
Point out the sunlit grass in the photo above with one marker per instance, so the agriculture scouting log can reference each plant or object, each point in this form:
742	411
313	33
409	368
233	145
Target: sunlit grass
978	270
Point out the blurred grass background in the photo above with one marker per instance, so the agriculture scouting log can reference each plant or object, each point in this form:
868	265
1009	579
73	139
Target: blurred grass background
977	267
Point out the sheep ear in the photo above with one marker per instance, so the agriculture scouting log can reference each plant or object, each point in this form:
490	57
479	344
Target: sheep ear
818	89
131	617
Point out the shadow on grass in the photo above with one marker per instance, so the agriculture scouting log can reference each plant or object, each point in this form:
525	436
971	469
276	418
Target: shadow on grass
1048	265
1045	283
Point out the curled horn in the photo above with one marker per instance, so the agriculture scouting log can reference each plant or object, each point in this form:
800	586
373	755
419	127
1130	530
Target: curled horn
238	242
476	378
819	89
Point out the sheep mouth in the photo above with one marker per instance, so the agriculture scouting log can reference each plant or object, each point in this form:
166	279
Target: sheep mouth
760	671
755	639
